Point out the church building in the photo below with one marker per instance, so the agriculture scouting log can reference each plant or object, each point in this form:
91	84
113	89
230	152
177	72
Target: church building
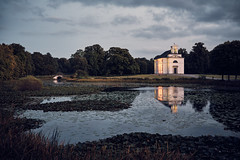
170	62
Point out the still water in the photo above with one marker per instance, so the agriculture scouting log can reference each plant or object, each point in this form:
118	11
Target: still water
163	110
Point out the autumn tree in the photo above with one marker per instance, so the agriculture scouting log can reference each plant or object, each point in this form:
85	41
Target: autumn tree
23	59
7	63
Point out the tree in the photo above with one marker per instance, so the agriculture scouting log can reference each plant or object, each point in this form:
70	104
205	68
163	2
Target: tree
38	61
187	60
78	63
120	62
151	66
225	59
44	64
7	63
96	58
50	64
143	66
64	65
146	66
183	52
198	61
23	59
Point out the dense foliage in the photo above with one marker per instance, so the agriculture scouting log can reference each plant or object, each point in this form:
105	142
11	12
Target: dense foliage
225	58
197	62
15	62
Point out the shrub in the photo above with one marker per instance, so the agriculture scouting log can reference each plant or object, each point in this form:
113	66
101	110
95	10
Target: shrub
202	77
166	79
29	83
81	74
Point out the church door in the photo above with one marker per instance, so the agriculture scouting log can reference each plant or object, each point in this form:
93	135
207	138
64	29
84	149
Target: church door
175	71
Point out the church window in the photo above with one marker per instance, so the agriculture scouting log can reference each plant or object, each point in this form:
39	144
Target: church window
175	61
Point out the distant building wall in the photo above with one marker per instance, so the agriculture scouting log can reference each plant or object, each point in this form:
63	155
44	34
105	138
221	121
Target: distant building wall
167	65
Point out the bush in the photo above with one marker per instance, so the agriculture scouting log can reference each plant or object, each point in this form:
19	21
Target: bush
166	79
29	83
81	74
202	77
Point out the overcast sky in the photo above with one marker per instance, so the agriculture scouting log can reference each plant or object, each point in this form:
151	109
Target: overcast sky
145	27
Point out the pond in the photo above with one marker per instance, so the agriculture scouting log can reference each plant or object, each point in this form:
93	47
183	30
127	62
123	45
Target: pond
163	110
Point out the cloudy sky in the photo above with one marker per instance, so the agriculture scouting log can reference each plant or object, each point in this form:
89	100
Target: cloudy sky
145	27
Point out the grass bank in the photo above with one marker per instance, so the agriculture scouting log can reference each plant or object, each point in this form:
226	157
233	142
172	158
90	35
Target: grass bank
160	79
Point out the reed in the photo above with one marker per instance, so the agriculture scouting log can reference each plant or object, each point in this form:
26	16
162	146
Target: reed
17	144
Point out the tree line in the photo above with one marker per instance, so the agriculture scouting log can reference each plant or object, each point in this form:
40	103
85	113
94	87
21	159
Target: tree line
223	59
15	62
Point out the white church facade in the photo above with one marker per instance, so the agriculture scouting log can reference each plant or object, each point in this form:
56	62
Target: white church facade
170	62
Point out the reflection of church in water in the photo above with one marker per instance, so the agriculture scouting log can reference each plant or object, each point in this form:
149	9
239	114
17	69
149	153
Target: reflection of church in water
170	96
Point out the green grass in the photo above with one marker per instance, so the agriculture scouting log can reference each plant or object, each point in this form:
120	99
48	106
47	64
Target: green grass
149	76
232	77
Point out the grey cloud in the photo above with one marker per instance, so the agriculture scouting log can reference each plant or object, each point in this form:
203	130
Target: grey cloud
159	32
50	19
89	21
210	10
201	10
222	32
216	10
148	53
37	11
128	3
2	28
120	20
56	33
64	33
56	20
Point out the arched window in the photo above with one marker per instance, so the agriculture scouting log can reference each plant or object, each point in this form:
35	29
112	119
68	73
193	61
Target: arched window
175	61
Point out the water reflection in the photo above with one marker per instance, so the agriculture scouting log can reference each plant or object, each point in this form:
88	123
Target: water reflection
57	81
170	96
145	115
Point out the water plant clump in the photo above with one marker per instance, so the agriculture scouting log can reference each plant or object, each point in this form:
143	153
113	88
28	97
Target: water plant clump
225	109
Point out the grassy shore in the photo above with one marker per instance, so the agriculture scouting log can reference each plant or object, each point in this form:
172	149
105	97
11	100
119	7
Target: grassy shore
160	79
